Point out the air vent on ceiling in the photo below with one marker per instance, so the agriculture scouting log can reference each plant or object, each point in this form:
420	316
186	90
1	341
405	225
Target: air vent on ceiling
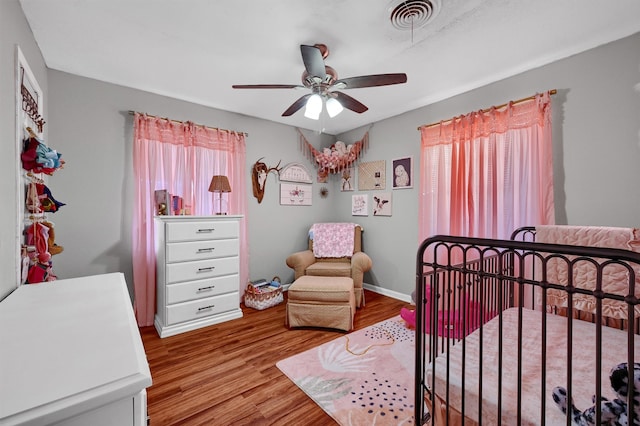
409	15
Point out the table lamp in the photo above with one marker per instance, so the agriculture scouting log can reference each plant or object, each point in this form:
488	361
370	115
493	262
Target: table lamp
220	184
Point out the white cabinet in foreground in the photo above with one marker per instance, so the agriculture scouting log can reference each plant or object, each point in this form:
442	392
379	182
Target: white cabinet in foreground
71	354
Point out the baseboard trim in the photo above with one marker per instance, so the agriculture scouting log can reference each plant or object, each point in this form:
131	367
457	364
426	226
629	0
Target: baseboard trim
387	292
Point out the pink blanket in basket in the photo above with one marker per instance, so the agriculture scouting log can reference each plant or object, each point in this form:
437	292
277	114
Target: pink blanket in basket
333	239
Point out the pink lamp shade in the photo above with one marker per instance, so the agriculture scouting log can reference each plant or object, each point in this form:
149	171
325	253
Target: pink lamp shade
219	184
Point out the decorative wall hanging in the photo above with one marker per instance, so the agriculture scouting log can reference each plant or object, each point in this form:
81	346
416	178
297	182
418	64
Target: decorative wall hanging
295	194
295	172
323	176
371	175
347	179
338	157
402	172
30	95
360	205
382	204
259	174
324	192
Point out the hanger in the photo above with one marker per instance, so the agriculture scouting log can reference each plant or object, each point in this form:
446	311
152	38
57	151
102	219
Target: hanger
31	132
34	178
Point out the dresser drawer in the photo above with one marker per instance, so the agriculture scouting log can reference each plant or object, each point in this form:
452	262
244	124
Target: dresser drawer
204	230
201	269
197	250
193	290
201	308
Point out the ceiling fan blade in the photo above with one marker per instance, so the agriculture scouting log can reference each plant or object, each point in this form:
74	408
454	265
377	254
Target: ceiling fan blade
296	105
267	86
371	81
313	62
350	103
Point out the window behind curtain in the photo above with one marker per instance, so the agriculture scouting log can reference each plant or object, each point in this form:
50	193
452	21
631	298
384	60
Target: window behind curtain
488	172
181	158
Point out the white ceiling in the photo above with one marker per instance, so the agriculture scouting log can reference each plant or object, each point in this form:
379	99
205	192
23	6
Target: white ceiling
195	50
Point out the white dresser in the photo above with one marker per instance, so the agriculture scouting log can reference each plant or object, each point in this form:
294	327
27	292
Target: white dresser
197	279
71	354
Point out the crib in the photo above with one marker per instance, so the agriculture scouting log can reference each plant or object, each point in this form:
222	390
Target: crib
547	315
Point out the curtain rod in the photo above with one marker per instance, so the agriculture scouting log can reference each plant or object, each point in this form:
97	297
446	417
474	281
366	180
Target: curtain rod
528	98
182	122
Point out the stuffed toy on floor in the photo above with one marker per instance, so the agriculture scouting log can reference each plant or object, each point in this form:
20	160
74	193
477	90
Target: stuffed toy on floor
612	412
456	323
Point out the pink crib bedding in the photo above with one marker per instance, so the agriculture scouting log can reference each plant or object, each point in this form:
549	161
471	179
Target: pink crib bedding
615	278
583	361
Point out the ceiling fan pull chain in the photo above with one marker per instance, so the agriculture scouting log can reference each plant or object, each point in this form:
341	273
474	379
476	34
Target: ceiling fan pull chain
411	29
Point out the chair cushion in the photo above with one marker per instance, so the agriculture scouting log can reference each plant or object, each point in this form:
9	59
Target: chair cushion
321	289
329	269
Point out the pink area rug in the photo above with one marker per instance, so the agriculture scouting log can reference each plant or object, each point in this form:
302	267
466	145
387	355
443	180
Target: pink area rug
361	378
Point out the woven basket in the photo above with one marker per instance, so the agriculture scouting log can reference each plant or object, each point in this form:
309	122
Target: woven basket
264	299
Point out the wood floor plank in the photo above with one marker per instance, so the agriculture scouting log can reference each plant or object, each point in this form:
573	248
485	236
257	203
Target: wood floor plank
226	374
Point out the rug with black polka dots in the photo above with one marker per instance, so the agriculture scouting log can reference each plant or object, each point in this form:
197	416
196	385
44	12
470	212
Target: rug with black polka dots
360	378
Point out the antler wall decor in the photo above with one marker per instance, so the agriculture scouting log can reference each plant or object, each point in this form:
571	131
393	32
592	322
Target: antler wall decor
259	174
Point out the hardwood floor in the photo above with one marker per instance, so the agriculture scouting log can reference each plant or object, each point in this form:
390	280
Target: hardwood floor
225	374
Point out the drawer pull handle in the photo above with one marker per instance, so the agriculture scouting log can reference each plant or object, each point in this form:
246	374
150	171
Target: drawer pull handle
206	250
207	288
206	229
210	268
204	308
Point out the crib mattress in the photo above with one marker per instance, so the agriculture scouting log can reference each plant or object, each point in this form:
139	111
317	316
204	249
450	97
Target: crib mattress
614	344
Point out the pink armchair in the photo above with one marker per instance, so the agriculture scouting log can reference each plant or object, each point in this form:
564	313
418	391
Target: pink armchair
354	266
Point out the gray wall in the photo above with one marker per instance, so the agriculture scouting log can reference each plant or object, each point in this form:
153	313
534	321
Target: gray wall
91	127
596	137
596	127
14	31
596	122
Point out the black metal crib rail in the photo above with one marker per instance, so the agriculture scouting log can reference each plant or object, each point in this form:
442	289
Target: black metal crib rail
456	275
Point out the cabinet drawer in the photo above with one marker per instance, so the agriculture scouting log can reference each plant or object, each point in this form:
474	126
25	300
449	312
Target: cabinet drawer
202	308
196	250
201	269
193	290
204	230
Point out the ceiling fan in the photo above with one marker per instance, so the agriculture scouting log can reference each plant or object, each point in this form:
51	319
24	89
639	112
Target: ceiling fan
323	82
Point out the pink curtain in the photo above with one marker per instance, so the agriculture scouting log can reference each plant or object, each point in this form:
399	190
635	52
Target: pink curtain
489	172
181	158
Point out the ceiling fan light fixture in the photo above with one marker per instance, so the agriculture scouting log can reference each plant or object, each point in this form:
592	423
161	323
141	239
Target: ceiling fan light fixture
334	107
322	80
314	107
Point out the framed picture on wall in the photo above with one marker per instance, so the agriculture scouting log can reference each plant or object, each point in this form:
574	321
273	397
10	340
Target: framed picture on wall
382	204
347	179
360	205
295	194
371	175
402	173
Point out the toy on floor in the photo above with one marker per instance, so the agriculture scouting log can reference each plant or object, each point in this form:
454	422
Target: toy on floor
450	323
612	412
